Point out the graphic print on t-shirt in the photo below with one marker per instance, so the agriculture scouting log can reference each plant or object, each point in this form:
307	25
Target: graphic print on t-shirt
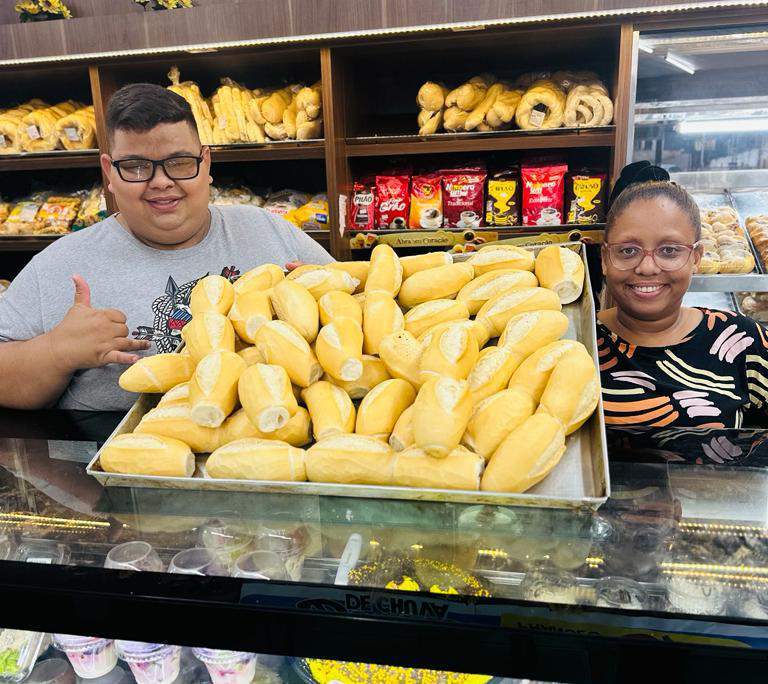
172	312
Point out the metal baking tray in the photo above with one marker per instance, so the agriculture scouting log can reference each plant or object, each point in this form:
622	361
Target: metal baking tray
579	481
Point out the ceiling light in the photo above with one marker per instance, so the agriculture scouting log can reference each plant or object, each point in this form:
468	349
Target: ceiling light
737	125
681	64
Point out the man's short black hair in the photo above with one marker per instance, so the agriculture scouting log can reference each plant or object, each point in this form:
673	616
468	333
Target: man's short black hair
139	107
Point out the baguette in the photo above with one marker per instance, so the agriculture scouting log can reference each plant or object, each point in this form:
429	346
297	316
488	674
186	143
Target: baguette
357	269
322	280
381	317
441	413
401	354
293	304
495	257
489	285
339	349
280	344
333	305
374	372
263	277
572	390
330	408
175	422
477	329
452	353
526	456
158	373
533	373
495	417
297	431
211	293
421	262
133	454
402	434
424	316
350	459
213	388
492	372
267	396
176	396
495	313
250	310
385	272
208	332
301	270
530	331
257	459
443	282
562	270
381	407
460	469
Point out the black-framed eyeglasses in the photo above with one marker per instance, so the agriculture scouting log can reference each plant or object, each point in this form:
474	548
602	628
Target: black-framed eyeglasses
179	167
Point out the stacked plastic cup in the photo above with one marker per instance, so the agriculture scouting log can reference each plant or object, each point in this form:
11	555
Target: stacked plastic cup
90	657
151	663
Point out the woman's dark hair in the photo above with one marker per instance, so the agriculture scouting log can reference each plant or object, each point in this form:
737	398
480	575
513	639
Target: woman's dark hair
140	107
651	190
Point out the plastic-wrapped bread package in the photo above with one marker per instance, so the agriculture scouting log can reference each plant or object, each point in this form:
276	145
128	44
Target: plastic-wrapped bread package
263	277
296	432
250	310
495	313
211	293
452	353
339	349
178	395
421	262
492	372
319	281
385	272
158	373
492	284
382	406
350	459
494	257
530	331
533	373
402	434
460	469
147	455
257	459
294	305
424	316
267	397
561	270
476	328
443	282
381	317
330	408
357	269
572	390
374	373
495	417
526	456
441	413
210	331
213	387
281	344
337	304
176	422
401	354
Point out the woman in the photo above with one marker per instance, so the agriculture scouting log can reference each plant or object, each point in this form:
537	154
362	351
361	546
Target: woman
661	363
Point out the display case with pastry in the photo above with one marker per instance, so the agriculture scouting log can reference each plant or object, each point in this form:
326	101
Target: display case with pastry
725	245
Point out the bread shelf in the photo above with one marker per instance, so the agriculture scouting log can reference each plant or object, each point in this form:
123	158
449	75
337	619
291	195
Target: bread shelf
26	243
60	159
310	149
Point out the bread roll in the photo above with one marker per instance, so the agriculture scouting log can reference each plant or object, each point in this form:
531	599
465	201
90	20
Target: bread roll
572	390
495	313
330	408
429	314
495	257
133	454
374	372
492	372
381	317
178	395
350	459
421	262
385	272
267	396
158	373
533	373
213	388
176	422
297	431
257	459
562	270
489	285
294	305
443	282
381	407
357	269
495	417
402	434
401	354
475	327
460	469
339	349
452	353
441	412
526	456
281	344
530	331
337	304
263	277
301	270
322	280
250	310
211	293
251	355
210	331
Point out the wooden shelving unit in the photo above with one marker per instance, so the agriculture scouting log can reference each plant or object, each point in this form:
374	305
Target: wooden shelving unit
54	160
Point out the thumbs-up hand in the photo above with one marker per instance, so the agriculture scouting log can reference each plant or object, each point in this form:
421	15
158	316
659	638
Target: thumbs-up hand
92	338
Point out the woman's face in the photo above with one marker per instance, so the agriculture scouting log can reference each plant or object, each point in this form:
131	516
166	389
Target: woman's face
646	292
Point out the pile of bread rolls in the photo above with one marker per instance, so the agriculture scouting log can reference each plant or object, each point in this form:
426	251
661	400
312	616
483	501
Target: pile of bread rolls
724	244
757	227
39	127
375	373
534	101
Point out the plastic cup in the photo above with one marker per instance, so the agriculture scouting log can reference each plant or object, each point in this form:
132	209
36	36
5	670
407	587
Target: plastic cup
52	671
91	657
290	543
151	663
225	541
264	565
135	555
227	667
197	562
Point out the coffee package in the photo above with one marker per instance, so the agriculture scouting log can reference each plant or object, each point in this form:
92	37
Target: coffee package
543	186
393	197
426	202
502	203
585	193
463	197
362	206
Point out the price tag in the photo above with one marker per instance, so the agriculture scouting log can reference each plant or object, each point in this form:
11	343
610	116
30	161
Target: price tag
42	561
342	214
537	118
102	203
72	134
222	121
28	213
33	132
2	141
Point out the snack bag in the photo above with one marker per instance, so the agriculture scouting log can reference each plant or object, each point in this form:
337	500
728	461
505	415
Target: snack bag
92	210
426	202
362	206
585	197
502	205
311	216
283	201
393	196
57	214
463	200
543	186
23	219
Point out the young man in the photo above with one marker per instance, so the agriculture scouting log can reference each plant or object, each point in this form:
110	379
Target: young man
93	301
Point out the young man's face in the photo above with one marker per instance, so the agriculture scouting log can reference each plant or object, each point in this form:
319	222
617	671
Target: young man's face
161	211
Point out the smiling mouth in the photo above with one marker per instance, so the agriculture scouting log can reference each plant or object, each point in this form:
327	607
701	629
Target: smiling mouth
165	203
647	290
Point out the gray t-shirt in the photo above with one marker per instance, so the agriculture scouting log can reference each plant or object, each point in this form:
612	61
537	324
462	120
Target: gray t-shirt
150	286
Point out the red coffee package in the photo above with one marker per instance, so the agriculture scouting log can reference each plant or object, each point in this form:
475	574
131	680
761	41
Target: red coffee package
463	197
426	202
361	205
393	197
543	186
